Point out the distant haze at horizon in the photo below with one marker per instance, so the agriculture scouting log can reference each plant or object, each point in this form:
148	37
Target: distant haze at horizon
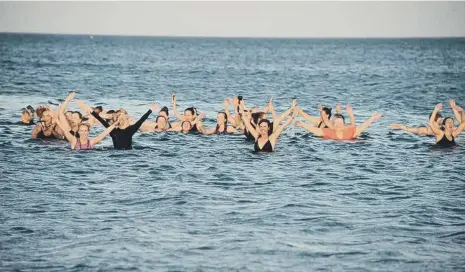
238	19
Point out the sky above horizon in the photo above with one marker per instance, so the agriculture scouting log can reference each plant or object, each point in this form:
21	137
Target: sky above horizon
237	19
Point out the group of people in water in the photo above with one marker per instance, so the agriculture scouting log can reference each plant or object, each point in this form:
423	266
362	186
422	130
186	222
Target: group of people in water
71	126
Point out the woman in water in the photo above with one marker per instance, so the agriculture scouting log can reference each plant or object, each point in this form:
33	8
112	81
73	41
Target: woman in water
80	140
317	122
340	130
221	126
426	130
265	137
27	118
123	132
190	115
45	128
447	136
161	123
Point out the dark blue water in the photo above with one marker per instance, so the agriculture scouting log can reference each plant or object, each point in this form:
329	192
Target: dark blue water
391	202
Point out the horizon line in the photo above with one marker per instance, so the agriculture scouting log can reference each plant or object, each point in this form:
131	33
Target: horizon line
229	37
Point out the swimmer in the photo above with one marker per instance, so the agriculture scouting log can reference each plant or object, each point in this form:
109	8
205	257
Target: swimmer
446	137
124	130
27	118
45	128
265	137
190	115
81	140
161	123
340	130
221	126
186	126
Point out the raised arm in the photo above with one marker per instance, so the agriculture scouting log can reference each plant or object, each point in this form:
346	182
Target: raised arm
307	117
136	126
314	130
350	112
100	119
226	110
274	136
456	110
175	108
367	123
461	127
273	112
246	121
102	135
434	128
68	99
64	126
285	114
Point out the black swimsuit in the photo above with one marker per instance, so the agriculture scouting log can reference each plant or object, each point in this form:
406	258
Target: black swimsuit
225	131
267	147
122	138
194	129
41	134
321	123
444	142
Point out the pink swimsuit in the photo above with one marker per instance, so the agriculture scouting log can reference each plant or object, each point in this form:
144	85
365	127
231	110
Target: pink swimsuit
83	147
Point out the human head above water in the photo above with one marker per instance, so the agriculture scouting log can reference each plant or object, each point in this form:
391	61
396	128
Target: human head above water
189	113
327	111
164	112
264	127
83	130
186	126
448	124
339	120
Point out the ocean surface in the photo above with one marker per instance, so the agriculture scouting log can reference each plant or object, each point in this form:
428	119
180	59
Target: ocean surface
388	202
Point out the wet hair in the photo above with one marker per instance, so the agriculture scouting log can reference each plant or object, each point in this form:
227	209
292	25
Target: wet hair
99	108
337	115
191	109
40	111
438	115
160	116
270	126
445	119
190	125
327	111
165	109
224	113
225	121
80	114
256	116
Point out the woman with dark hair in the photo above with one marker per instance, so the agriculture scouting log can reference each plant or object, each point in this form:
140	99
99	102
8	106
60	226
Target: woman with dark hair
446	137
317	122
221	126
340	131
438	120
190	114
265	137
161	123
